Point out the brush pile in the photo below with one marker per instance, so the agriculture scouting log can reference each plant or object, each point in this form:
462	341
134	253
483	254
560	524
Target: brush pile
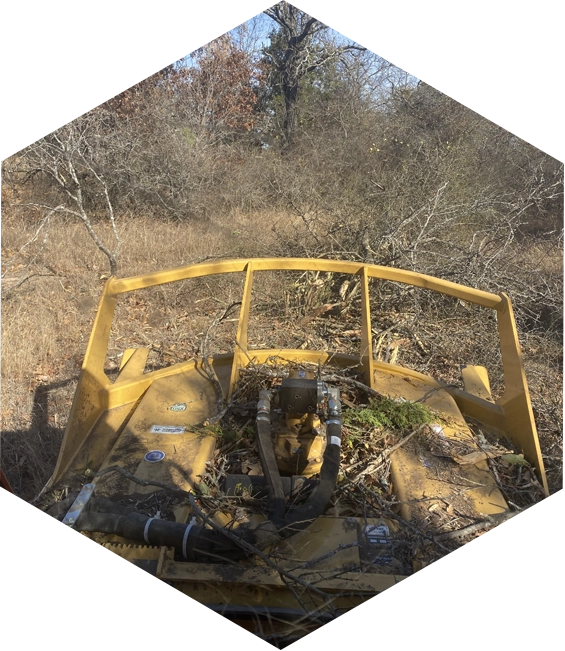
374	426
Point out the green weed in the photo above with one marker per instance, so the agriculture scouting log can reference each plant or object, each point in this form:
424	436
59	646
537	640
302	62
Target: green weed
390	414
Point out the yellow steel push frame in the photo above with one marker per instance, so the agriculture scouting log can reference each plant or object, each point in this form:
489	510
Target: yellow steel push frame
511	414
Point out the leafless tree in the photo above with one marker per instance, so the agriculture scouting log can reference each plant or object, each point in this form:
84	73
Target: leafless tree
71	158
300	55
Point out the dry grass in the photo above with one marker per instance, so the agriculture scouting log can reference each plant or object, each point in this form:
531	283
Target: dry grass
47	320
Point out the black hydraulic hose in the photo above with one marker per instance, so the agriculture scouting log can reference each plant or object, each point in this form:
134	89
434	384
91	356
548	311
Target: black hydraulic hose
268	461
98	504
59	509
195	543
321	495
102	522
104	505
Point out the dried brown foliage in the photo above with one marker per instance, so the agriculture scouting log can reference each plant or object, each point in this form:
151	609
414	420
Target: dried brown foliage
191	163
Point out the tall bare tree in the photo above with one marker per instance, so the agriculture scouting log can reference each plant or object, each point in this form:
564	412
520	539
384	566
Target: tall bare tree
297	52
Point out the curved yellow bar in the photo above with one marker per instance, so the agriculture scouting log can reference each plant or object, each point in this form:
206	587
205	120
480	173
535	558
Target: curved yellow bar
486	299
96	394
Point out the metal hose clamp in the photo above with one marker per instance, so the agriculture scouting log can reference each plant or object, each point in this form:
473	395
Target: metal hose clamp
334	403
264	406
185	537
146	530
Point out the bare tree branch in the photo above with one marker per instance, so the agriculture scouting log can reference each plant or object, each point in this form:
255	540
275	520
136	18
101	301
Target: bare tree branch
67	157
300	56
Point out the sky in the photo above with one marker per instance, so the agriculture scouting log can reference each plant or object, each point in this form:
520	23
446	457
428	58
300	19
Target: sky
60	60
172	26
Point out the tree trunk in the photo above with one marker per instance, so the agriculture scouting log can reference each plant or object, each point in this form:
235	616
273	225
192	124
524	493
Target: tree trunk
290	123
113	266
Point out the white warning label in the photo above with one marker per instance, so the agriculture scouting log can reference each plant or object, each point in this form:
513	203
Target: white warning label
166	429
377	534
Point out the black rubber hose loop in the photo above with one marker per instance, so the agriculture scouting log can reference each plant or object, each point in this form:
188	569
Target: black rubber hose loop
268	461
321	495
199	543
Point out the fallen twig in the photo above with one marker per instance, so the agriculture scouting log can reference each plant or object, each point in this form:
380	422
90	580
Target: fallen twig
383	456
340	548
209	369
390	513
332	377
179	492
475	527
254	550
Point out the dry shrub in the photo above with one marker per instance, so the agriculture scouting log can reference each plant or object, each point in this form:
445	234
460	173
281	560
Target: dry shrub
380	172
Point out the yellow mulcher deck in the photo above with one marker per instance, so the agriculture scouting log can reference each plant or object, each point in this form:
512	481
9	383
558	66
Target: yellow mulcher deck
142	432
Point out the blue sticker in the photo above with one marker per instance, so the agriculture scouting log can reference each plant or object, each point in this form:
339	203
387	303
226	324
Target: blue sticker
154	455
